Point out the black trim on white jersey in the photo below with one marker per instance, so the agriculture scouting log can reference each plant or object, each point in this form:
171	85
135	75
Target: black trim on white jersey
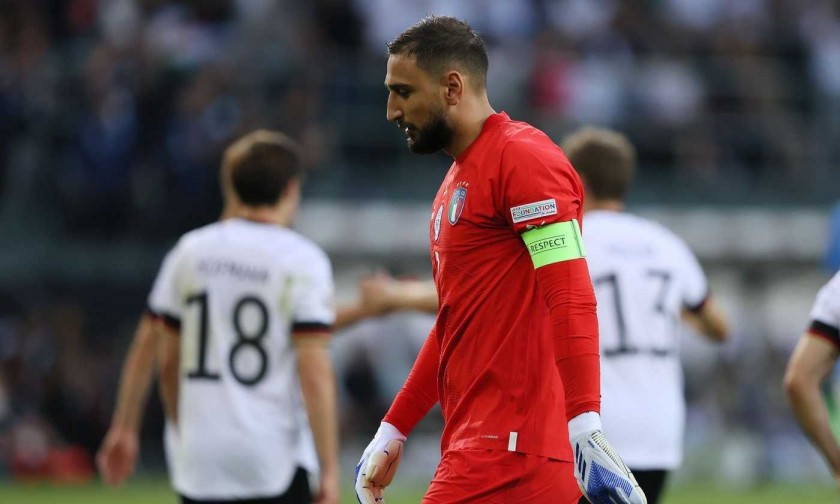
311	327
699	306
826	331
169	320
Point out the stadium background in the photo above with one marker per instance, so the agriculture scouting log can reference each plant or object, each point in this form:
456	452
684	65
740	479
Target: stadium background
113	114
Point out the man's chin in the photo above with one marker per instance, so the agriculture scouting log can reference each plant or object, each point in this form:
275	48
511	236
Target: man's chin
420	148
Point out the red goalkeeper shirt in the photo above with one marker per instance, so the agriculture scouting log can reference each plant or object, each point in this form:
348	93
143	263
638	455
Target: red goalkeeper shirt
495	335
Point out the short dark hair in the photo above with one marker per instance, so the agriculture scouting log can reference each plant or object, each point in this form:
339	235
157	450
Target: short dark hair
438	43
261	164
605	159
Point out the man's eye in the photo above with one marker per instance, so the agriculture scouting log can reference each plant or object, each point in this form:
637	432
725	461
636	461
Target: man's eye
403	93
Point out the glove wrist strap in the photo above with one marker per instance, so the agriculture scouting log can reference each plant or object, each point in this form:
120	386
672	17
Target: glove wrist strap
584	423
390	432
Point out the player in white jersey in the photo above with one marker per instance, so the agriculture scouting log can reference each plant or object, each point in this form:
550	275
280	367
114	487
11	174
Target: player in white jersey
646	280
812	361
245	309
117	457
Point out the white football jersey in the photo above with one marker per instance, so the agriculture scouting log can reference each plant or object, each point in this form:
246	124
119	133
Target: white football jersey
825	315
238	290
644	276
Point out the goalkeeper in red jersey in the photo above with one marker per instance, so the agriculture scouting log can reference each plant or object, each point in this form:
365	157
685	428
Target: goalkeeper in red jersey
513	355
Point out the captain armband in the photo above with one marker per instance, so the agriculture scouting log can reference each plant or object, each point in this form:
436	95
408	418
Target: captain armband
554	243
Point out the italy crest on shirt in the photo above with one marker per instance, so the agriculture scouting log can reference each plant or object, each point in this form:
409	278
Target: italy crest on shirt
456	204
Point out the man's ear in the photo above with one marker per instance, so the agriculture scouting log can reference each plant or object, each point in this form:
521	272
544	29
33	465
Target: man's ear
453	87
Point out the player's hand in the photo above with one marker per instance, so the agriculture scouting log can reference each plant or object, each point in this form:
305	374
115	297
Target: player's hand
601	474
377	293
378	465
117	456
328	493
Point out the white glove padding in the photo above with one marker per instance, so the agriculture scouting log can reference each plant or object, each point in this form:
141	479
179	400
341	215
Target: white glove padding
601	474
378	464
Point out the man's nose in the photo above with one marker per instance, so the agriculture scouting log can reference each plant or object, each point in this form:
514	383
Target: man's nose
392	112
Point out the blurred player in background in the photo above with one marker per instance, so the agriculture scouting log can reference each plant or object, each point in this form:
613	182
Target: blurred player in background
245	309
646	280
812	361
117	457
513	355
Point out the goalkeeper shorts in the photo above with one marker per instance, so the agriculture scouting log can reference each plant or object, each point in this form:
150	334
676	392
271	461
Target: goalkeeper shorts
501	477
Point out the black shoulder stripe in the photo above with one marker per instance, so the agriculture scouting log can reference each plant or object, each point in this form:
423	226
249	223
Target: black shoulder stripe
310	327
826	331
699	306
169	320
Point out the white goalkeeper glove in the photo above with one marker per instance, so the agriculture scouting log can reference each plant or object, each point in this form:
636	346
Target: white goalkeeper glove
601	474
378	464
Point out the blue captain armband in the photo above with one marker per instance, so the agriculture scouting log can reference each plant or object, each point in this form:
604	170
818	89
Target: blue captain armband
554	243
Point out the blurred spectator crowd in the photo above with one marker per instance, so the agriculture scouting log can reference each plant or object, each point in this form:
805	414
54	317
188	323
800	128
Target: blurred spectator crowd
113	113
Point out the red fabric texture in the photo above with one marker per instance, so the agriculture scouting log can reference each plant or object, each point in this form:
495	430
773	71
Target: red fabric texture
574	320
501	477
419	393
513	347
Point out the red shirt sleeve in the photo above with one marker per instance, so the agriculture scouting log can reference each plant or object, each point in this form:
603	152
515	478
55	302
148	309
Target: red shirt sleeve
571	299
419	393
538	186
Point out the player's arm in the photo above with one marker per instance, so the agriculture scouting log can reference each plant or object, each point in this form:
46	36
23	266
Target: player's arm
708	319
700	309
317	381
377	466
166	302
542	198
312	317
169	349
349	314
383	294
117	456
811	362
419	392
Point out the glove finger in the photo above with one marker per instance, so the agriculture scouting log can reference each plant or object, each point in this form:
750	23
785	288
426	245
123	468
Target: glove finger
365	491
378	494
373	465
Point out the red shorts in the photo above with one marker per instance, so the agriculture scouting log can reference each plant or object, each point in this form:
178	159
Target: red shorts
501	477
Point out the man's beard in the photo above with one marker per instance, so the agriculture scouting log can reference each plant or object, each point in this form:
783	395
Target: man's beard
435	135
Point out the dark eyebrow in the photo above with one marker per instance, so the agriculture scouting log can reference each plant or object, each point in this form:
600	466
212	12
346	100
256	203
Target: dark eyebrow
398	87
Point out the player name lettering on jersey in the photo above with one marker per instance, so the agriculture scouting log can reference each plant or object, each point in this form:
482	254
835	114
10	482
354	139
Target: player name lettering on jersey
533	210
240	271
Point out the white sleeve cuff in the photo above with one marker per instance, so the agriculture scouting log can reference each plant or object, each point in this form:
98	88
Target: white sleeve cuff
583	423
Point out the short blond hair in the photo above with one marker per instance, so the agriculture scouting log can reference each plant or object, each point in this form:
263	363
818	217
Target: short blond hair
604	158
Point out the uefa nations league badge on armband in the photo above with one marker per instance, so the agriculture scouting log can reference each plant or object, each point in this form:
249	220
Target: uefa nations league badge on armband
456	204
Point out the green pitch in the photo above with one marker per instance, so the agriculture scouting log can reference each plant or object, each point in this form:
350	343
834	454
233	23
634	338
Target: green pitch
159	493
